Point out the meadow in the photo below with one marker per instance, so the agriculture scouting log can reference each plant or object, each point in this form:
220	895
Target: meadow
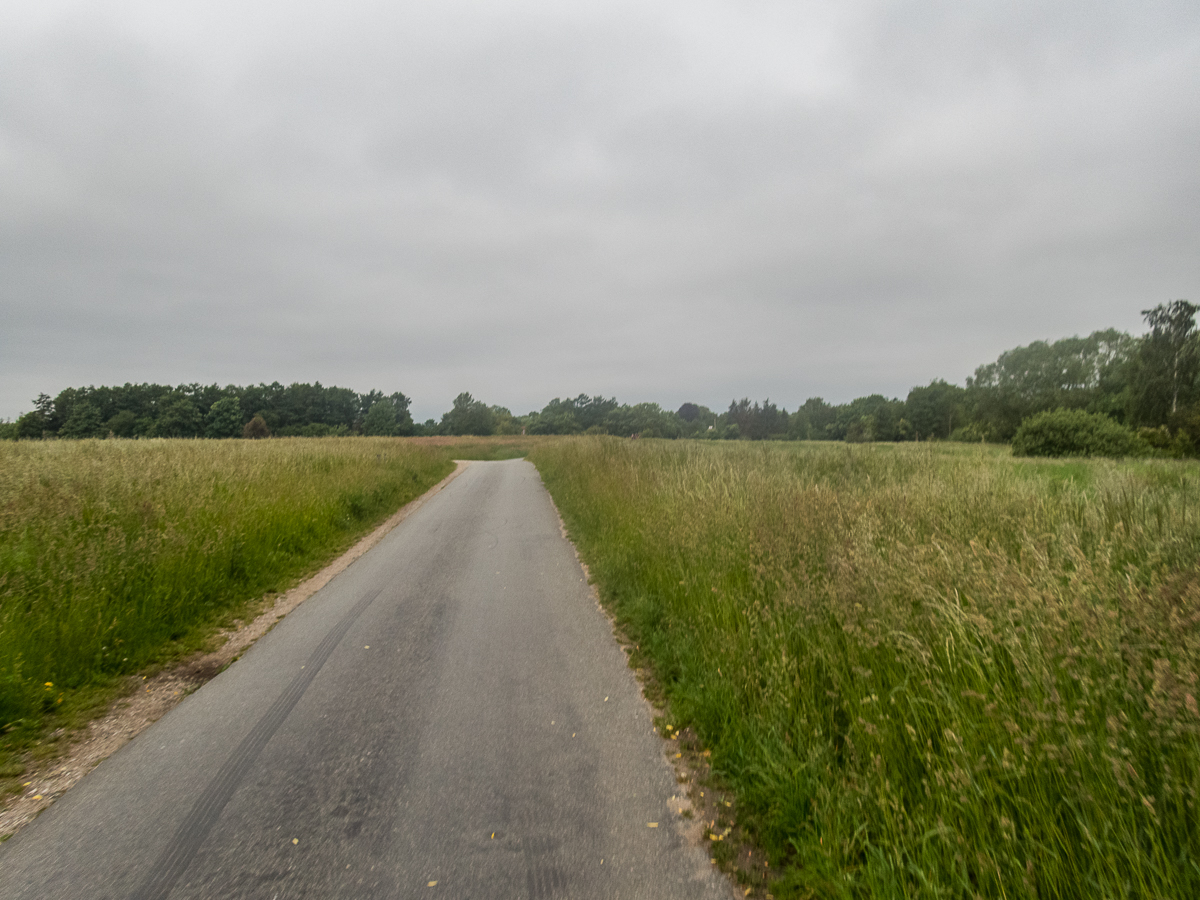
923	670
117	555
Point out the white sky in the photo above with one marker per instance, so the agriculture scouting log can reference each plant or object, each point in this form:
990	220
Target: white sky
663	201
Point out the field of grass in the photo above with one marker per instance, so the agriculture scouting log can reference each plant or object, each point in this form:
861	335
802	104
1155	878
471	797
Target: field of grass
115	555
491	447
923	670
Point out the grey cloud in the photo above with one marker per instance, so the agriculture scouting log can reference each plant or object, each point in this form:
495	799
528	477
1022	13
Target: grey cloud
660	201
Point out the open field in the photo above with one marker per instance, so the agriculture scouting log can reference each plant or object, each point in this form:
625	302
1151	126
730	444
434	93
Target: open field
925	671
489	447
115	555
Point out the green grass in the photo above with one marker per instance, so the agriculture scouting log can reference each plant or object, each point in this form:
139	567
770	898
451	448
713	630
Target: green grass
118	555
494	447
925	671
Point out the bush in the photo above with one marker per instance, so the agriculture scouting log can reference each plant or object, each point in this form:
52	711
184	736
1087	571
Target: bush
256	428
1073	432
971	433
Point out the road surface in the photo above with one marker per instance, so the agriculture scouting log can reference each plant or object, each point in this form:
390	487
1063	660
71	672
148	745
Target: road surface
450	717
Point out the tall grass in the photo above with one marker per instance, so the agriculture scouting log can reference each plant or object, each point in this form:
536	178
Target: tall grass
926	671
110	551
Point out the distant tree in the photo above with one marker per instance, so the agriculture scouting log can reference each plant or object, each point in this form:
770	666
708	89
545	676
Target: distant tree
689	412
812	421
380	418
702	423
224	419
872	418
32	425
572	416
1167	364
646	419
757	422
8	430
178	418
1073	373
934	411
468	416
122	424
860	430
506	422
36	424
404	419
256	428
556	417
83	422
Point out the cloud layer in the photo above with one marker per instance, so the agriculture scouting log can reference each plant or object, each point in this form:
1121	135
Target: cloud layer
668	201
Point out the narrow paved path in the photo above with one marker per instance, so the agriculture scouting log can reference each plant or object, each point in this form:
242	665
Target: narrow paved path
451	709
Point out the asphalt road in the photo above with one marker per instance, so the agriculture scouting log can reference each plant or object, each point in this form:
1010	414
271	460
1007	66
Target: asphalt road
452	709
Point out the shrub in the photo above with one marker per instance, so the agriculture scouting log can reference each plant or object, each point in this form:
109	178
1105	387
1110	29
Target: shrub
1158	438
971	433
1073	432
256	428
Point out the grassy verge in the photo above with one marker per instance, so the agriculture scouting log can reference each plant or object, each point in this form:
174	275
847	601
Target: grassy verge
925	671
493	447
116	555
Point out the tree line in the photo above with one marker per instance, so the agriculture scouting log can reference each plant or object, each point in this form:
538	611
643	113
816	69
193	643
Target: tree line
1150	383
195	410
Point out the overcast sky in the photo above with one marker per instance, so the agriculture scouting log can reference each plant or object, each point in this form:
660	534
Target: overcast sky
666	201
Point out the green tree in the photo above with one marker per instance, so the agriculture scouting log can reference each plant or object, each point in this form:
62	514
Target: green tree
179	418
757	422
468	416
380	418
1072	373
84	422
224	419
35	424
695	420
122	424
1167	364
872	418
812	421
934	411
648	420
